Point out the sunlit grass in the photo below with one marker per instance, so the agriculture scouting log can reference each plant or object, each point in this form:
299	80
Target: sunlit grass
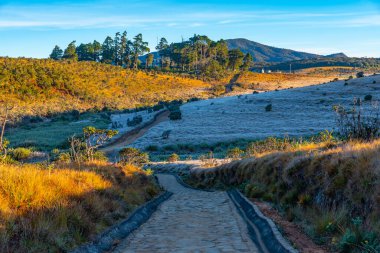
308	180
56	208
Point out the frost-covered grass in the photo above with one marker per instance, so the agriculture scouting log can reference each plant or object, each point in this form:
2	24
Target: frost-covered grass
295	112
120	120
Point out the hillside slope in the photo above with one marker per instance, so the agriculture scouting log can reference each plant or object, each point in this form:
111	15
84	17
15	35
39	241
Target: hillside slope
41	87
264	53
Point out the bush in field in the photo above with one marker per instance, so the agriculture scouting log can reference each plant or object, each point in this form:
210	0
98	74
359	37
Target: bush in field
234	153
219	90
368	97
84	148
165	134
20	154
358	123
175	115
135	121
133	156
175	112
360	74
151	148
75	114
173	158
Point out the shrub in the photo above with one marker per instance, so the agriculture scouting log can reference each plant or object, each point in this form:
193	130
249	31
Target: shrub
165	134
175	115
268	108
64	157
235	153
151	148
368	97
219	90
357	123
135	121
75	114
173	157
20	154
133	156
360	74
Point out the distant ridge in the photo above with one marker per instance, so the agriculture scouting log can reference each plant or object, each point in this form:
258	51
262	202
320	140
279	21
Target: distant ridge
264	53
338	55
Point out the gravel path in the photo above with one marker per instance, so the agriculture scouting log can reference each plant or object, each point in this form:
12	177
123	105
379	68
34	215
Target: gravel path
191	221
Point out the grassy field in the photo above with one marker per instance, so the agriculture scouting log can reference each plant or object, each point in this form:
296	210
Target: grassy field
273	81
55	208
54	133
44	87
329	188
294	112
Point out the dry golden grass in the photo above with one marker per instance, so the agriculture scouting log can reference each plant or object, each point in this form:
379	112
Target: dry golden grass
272	81
46	86
45	209
319	184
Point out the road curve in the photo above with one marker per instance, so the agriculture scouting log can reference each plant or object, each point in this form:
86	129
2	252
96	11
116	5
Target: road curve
190	221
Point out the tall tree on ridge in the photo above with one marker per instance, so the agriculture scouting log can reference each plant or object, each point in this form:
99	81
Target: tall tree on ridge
56	54
161	47
108	50
117	49
125	50
235	59
139	47
97	51
70	52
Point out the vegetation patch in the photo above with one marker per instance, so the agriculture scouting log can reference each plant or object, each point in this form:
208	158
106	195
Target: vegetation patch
58	207
331	190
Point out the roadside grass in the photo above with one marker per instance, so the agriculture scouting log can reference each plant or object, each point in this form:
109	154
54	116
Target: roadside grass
330	188
250	148
55	133
57	207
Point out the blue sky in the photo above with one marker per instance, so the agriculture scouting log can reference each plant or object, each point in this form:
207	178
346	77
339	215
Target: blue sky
32	28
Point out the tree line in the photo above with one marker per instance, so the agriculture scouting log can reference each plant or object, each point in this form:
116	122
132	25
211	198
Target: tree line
119	51
199	54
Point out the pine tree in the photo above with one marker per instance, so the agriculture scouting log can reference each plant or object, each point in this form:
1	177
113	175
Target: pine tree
247	62
125	50
161	47
70	52
117	49
57	53
139	47
108	50
235	59
97	47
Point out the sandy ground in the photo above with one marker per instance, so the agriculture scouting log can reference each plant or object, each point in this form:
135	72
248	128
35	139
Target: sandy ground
296	112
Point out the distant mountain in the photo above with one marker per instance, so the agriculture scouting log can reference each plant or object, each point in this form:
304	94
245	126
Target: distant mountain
338	55
263	53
